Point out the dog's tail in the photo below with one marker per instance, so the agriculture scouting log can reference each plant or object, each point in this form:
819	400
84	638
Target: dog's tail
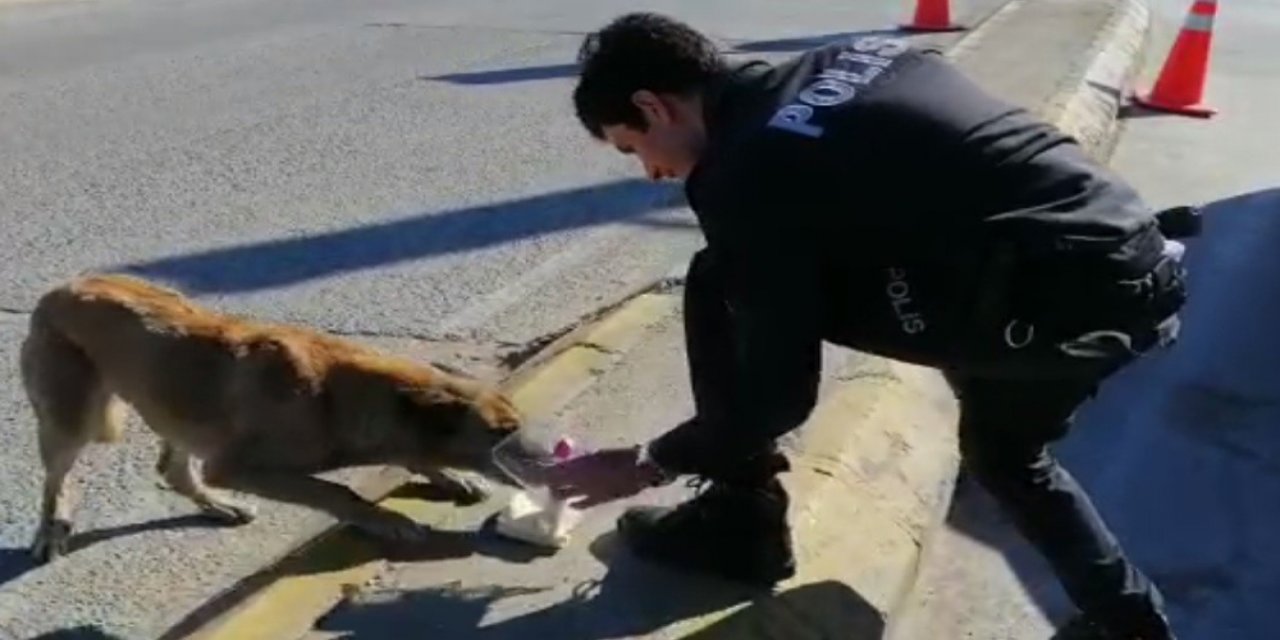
65	387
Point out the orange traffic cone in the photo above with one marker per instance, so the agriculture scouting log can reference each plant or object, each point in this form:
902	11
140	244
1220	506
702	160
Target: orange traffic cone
933	15
1180	87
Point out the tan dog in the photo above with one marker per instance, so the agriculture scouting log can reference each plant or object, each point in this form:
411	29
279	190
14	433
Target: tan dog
264	406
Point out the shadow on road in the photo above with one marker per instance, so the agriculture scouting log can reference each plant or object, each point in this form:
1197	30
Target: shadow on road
1133	110
86	632
88	538
508	76
632	600
569	70
1181	451
828	609
278	263
346	548
15	562
804	43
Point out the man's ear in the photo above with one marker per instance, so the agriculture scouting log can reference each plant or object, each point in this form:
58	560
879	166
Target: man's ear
654	108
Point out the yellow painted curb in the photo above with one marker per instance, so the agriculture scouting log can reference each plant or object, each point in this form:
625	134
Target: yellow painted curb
303	588
309	582
559	381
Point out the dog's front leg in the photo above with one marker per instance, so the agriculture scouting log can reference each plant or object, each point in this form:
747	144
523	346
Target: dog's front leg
458	488
302	489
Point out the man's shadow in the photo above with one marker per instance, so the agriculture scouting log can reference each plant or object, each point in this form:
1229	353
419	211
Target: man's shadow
633	599
1181	451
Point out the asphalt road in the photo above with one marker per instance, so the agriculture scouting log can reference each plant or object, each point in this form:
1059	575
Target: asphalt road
1181	452
404	172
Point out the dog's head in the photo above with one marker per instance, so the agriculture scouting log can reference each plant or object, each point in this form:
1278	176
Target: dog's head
456	424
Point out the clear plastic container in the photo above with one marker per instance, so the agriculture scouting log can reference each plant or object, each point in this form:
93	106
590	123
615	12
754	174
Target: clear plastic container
533	515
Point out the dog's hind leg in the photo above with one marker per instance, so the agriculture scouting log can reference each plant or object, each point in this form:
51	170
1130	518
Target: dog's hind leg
178	469
58	452
72	408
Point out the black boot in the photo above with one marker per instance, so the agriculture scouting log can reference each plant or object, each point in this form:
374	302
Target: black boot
731	531
1084	627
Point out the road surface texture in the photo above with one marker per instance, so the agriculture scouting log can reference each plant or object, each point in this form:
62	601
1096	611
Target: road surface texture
408	173
1182	451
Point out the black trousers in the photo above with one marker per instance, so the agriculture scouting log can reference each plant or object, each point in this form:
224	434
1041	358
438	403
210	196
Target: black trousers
1006	426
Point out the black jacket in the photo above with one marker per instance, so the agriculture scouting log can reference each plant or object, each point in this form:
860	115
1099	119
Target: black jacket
868	194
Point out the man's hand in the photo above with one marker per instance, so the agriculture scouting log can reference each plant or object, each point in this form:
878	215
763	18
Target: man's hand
603	476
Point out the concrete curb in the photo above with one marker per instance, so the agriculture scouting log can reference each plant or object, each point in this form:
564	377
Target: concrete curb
1098	44
1089	108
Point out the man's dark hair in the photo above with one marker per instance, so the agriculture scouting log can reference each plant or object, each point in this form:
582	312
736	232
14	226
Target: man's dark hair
639	51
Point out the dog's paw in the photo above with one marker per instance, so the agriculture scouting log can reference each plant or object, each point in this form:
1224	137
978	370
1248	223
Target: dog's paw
394	527
227	512
51	541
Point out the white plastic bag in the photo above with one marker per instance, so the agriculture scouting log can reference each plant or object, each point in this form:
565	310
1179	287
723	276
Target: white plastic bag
533	515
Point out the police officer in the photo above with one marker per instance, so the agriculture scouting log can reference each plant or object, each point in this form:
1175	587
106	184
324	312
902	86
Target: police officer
867	194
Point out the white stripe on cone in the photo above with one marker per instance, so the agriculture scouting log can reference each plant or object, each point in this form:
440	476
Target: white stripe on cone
1198	22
